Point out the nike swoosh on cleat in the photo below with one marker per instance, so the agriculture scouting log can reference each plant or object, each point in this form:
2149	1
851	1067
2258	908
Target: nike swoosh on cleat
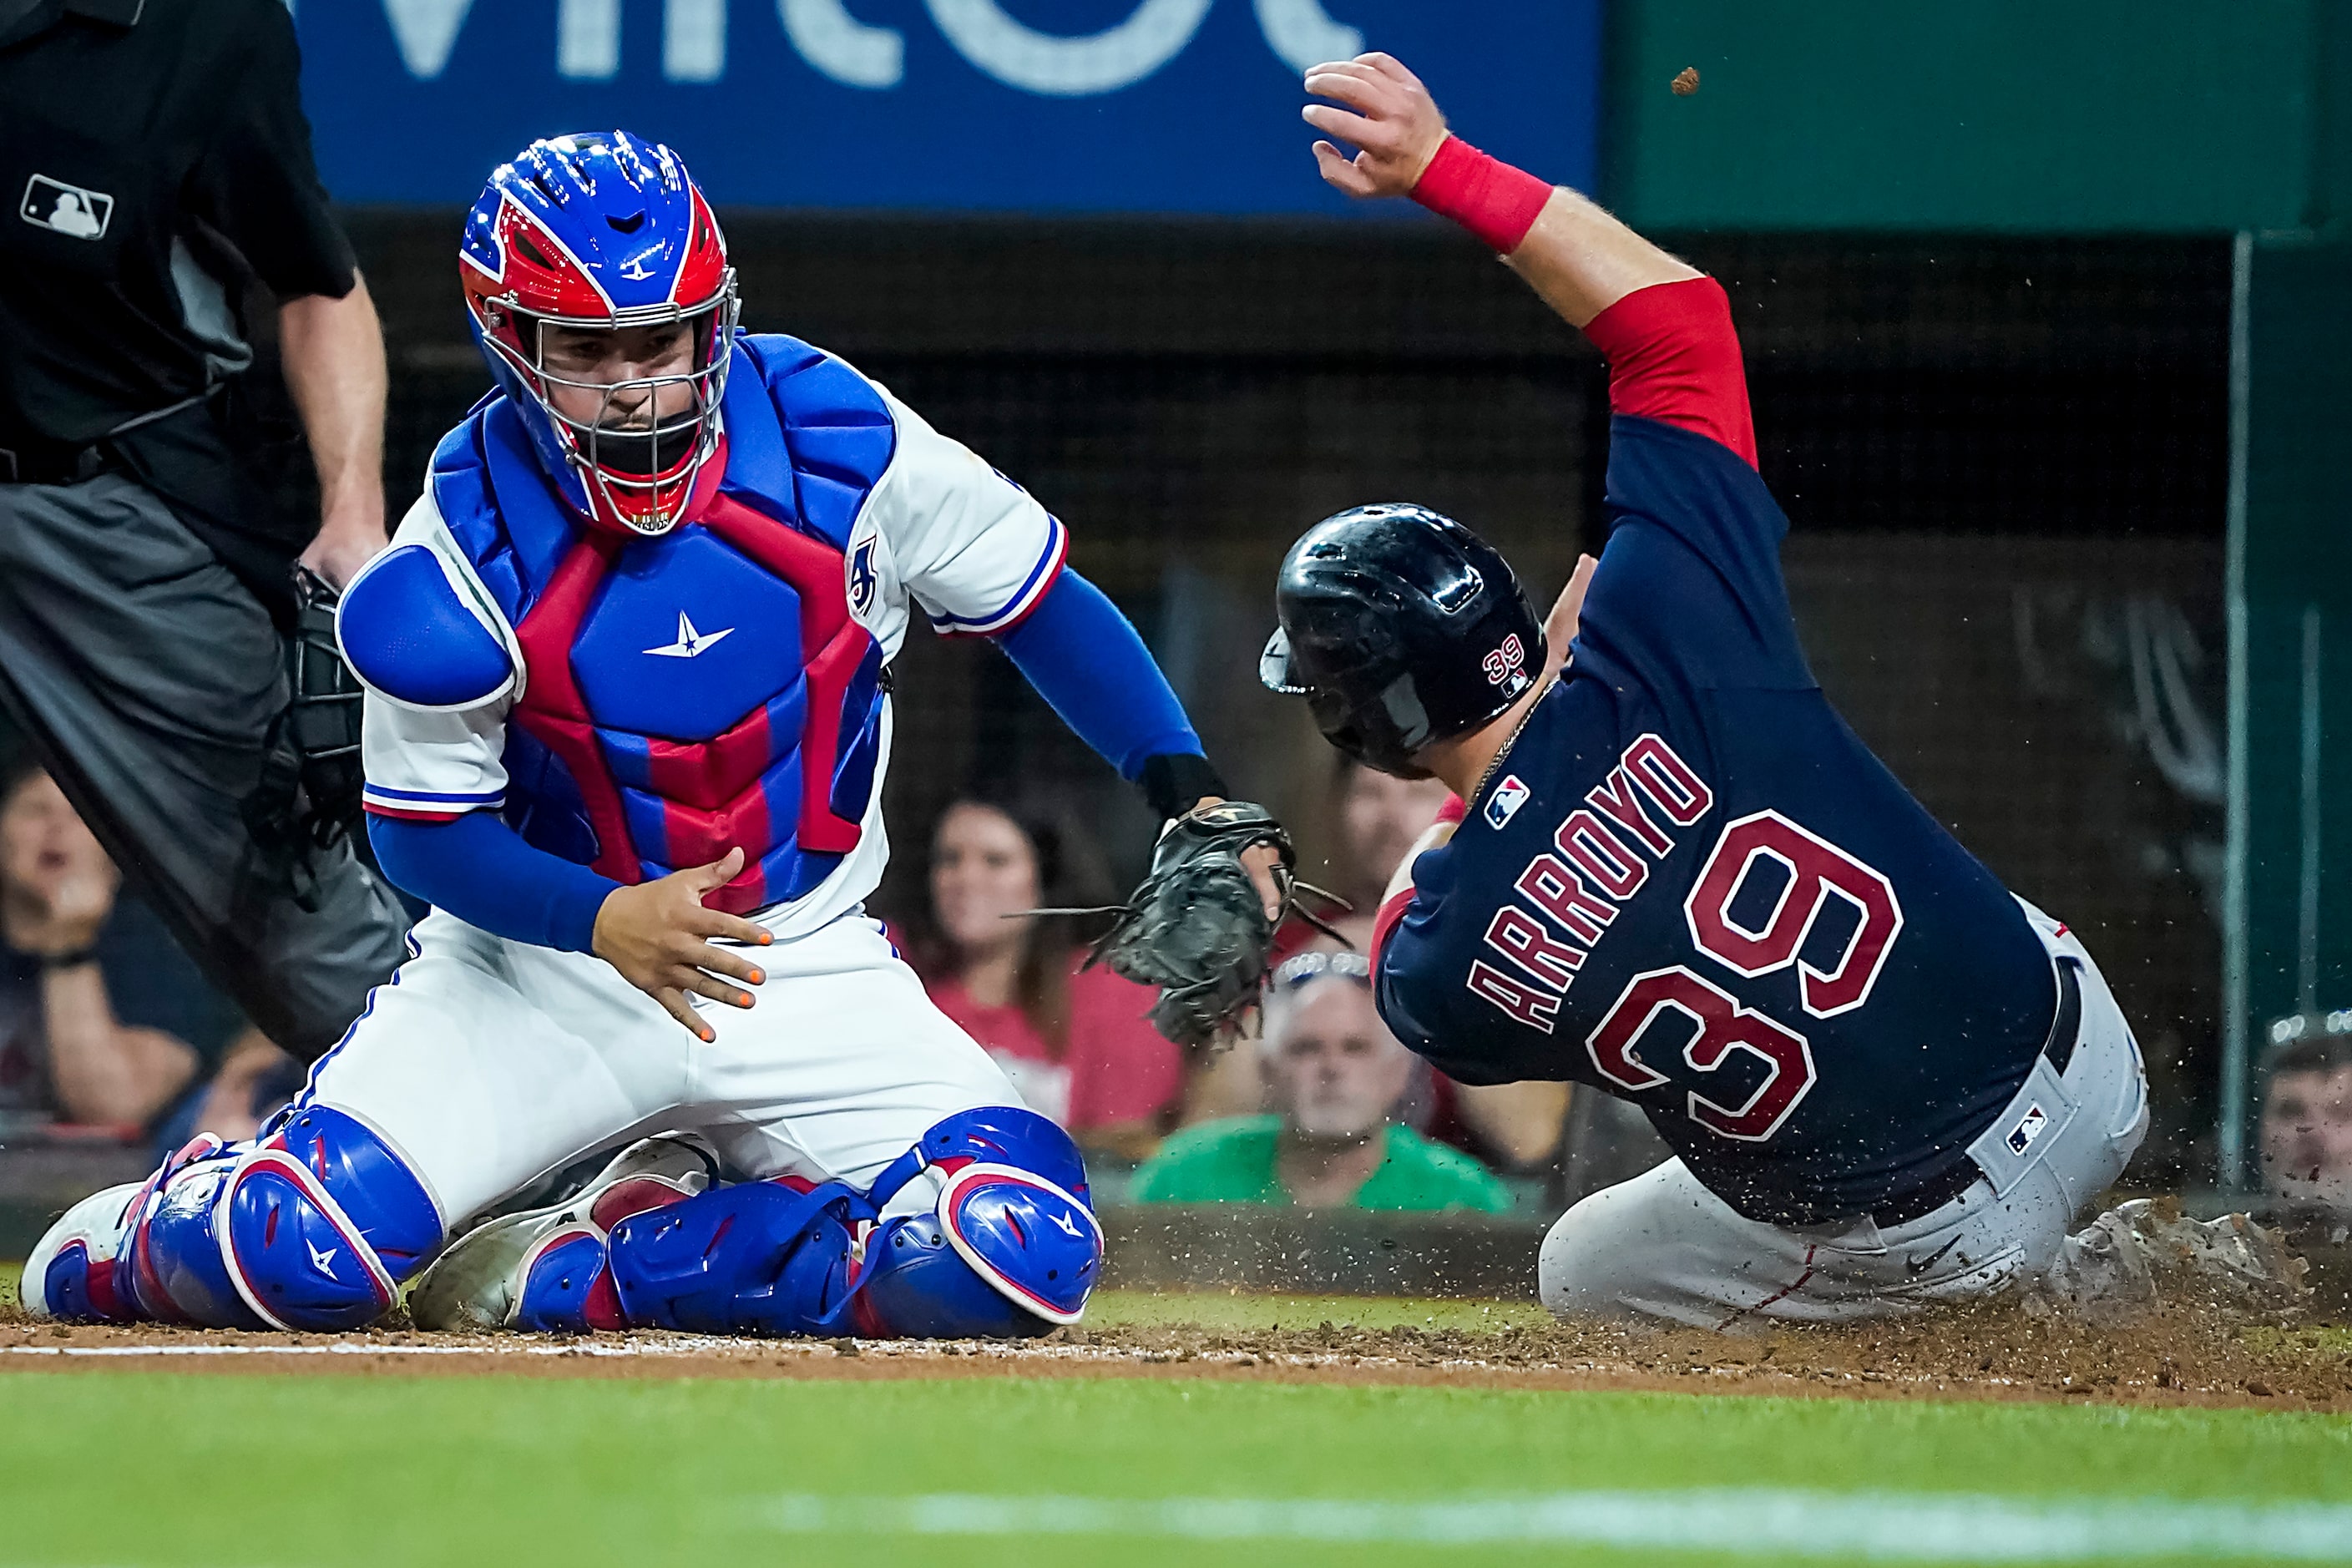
1915	1266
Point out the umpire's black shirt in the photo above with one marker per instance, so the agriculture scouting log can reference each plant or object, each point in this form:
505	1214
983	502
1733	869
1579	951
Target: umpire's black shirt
156	159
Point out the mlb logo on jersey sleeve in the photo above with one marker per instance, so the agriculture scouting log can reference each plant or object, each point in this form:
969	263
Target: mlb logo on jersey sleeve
1505	803
2028	1127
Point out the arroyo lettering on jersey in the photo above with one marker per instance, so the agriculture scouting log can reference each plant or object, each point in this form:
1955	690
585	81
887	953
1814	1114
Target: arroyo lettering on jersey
1600	857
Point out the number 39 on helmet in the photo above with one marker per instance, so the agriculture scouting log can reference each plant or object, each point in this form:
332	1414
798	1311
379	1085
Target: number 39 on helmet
1402	628
601	232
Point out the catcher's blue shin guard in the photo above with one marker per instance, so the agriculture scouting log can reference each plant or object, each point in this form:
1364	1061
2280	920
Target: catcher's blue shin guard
312	1227
1010	1247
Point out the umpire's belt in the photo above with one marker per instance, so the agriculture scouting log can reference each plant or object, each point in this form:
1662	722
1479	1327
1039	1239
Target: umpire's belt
64	463
2004	1151
46	465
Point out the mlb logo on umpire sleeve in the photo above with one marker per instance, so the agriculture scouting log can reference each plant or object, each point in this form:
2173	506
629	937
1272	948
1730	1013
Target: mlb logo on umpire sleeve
65	209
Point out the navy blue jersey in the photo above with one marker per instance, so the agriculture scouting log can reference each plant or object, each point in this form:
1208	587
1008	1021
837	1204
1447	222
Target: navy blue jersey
1691	885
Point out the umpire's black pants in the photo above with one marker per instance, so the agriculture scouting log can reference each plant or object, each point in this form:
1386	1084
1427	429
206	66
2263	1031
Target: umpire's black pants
148	679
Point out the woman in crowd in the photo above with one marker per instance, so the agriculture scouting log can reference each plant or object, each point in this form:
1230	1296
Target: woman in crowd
1076	1041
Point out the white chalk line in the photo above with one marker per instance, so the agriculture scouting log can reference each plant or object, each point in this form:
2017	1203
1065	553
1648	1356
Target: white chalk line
1754	1521
354	1347
703	1345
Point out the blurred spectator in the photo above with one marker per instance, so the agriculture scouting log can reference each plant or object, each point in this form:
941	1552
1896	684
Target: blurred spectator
253	1080
1076	1041
2307	1122
1381	817
103	1020
1336	1075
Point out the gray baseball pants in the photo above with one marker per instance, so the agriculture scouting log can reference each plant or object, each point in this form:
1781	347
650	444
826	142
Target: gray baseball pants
1662	1247
148	679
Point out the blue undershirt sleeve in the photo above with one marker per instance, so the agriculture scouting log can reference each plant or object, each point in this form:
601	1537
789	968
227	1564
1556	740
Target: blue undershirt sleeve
480	871
1086	661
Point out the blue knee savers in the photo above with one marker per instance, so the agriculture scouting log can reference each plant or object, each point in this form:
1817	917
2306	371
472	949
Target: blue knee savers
754	1258
312	1228
1011	1248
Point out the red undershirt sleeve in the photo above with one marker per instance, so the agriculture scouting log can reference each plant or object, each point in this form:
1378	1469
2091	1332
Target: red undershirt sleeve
1392	910
1674	357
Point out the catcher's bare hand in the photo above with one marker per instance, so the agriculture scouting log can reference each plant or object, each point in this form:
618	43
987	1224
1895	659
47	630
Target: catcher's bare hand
1264	864
1395	125
658	935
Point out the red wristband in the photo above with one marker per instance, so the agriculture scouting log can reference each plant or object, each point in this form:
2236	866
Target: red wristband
1485	195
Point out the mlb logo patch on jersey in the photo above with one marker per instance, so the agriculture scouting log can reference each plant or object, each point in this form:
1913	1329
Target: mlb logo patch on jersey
65	209
1505	803
862	581
2028	1127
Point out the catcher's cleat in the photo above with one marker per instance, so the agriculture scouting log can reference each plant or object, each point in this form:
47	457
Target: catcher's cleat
544	1269
72	1274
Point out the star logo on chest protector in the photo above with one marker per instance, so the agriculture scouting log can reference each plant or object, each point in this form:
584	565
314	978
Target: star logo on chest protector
690	642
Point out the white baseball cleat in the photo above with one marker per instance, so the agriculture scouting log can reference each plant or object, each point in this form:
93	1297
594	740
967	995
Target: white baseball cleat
71	1274
543	1270
2142	1253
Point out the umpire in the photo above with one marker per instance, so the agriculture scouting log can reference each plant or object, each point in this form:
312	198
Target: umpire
152	620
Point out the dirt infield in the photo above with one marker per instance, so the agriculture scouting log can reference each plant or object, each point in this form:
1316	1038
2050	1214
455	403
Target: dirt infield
2166	1360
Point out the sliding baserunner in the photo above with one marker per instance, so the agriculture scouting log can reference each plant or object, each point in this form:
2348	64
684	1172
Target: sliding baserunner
1680	878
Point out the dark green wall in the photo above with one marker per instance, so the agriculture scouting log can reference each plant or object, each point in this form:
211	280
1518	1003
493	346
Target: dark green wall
2059	116
2291	546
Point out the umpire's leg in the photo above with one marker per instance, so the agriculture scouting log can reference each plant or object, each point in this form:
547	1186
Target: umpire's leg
147	677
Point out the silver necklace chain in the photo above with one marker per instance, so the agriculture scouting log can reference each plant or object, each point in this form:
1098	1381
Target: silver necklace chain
1508	742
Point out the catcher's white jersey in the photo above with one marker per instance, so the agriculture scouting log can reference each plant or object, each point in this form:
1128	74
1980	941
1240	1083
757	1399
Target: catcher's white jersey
939	531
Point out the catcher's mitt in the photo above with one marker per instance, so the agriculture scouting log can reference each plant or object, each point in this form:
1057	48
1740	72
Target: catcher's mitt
1197	928
323	723
308	795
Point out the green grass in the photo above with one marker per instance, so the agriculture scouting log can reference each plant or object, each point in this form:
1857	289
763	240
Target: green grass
150	1467
161	1469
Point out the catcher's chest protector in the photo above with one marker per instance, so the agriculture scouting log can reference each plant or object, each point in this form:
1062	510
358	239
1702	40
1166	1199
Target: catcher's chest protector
708	688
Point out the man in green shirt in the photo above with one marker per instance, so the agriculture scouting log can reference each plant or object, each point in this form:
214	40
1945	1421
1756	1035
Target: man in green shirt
1333	1073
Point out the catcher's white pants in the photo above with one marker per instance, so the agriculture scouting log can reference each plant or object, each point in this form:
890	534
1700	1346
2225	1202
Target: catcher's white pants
488	1063
1663	1246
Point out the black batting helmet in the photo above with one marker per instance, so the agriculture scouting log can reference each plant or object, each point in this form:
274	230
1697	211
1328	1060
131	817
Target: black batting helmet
1401	627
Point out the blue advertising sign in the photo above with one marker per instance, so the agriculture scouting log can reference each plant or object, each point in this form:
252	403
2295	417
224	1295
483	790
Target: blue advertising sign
1152	106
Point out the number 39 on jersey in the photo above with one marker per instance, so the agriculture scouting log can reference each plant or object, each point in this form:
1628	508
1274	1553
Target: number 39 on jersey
1597	864
1817	872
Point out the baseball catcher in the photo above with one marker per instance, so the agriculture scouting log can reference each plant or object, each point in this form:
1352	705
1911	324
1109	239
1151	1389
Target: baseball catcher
627	725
